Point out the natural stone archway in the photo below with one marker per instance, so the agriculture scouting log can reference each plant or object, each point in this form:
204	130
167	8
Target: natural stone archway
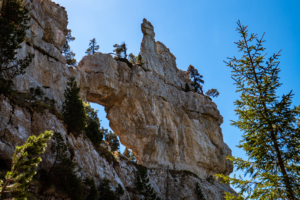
150	112
146	106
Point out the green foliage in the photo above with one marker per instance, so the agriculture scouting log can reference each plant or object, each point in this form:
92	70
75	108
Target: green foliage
212	93
59	149
139	60
24	162
92	129
271	135
93	47
112	140
73	108
93	195
119	190
143	185
67	53
198	191
121	50
132	58
197	79
187	87
14	22
105	153
105	192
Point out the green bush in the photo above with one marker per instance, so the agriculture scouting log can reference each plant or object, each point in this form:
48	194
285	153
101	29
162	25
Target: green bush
93	194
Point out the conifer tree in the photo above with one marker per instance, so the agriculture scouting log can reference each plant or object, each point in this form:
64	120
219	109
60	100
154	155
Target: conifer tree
132	58
187	87
126	153
119	190
93	47
139	60
93	195
121	50
67	53
14	21
212	93
59	149
193	74
271	135
198	191
105	191
112	140
73	108
92	129
24	162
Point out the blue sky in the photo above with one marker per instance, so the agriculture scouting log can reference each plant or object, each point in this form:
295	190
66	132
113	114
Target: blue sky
198	32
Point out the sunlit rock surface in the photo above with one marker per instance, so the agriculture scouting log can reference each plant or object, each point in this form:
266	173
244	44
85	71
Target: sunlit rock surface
169	130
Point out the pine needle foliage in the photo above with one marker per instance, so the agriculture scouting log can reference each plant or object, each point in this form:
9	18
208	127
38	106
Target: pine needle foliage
105	191
196	78
92	129
198	191
120	50
212	93
24	162
73	108
93	194
112	140
67	53
271	135
14	21
93	47
143	185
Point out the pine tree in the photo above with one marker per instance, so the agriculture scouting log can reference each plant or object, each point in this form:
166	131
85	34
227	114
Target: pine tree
193	73
212	93
59	149
198	191
92	129
271	135
24	162
126	153
131	156
67	53
113	141
105	191
93	194
132	58
73	108
121	50
14	21
93	47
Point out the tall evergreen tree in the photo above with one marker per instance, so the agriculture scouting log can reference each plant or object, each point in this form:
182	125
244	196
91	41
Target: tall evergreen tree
14	21
121	50
271	135
197	79
24	162
93	47
92	129
67	53
112	140
73	108
105	191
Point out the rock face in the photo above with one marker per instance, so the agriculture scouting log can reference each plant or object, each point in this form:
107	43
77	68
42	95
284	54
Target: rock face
169	130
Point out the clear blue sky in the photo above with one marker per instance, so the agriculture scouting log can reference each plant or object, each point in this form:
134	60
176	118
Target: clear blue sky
198	32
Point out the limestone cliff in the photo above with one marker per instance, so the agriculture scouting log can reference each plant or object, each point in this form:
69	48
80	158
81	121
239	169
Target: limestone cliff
168	129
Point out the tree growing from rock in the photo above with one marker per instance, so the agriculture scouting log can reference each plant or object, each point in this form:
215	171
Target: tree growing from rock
14	22
132	58
212	93
67	53
93	47
93	193
92	129
24	162
271	133
121	50
73	108
196	78
105	191
112	140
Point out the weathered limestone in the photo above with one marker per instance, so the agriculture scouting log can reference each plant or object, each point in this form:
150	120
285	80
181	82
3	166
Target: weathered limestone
148	109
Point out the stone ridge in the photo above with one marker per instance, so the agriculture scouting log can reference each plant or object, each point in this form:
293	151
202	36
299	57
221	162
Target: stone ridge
148	109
